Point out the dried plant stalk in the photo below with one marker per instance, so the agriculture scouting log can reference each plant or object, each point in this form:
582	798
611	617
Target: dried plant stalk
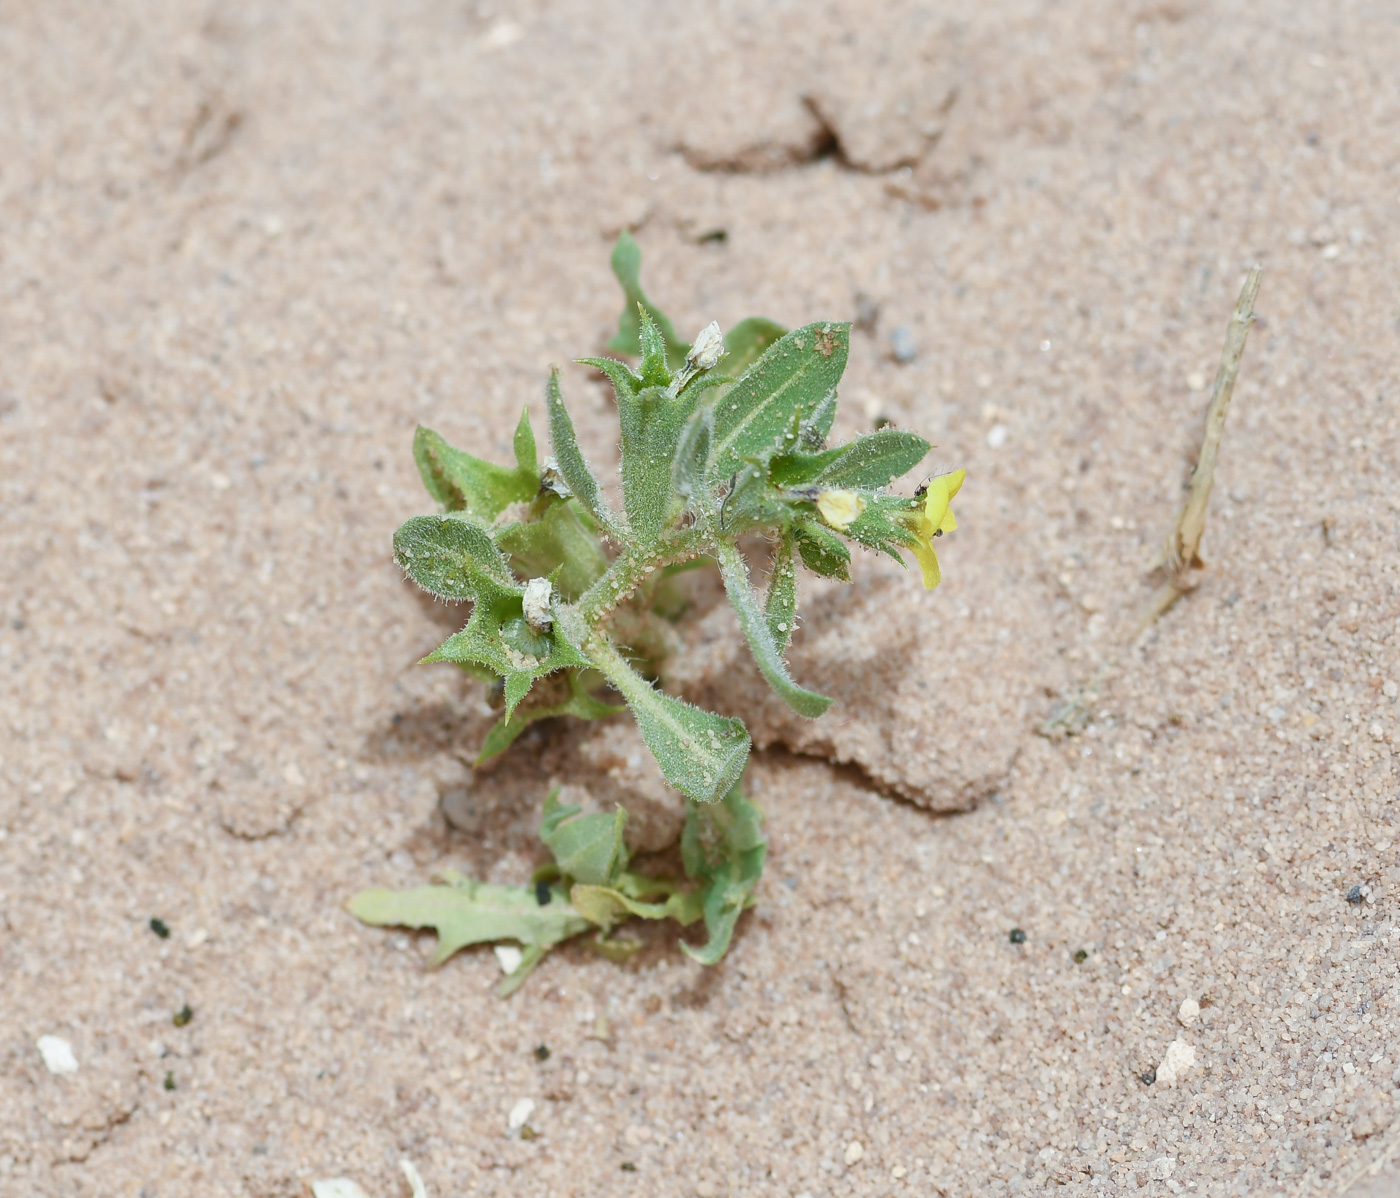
1182	552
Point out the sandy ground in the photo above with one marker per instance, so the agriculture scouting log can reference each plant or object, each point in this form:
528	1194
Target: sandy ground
244	249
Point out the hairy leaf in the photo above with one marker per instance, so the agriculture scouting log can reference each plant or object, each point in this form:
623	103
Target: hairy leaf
651	427
572	466
624	382
557	540
450	557
822	551
735	573
701	754
780	603
791	379
690	466
463	483
873	460
654	371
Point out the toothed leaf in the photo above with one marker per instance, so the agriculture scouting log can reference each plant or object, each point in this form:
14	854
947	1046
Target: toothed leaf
463	483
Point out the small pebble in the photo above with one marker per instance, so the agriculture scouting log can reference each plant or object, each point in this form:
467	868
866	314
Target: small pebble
520	1114
57	1053
1018	936
1080	956
508	957
1354	894
334	1187
1149	1077
182	1016
1189	1012
902	344
542	1052
855	1151
160	928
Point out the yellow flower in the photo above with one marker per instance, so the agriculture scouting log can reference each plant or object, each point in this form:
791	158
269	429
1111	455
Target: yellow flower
840	508
937	518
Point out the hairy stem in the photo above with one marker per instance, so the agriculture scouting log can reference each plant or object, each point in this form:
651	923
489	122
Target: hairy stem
633	568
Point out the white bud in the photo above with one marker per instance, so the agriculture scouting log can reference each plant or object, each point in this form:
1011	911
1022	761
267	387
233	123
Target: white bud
708	348
538	592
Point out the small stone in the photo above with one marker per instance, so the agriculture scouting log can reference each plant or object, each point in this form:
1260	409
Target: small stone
182	1016
160	928
996	436
508	957
1177	1062
542	1052
58	1054
1080	956
520	1114
1354	894
1188	1013
902	344
855	1151
1196	381
706	1189
1161	1168
1018	936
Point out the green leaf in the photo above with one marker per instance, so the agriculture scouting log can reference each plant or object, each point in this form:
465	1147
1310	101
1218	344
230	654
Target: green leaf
735	573
879	528
651	427
873	460
575	470
654	372
724	847
526	459
460	482
557	540
624	382
791	379
450	557
746	342
690	466
822	551
607	906
701	754
497	636
780	603
467	912
587	848
816	427
627	265
581	704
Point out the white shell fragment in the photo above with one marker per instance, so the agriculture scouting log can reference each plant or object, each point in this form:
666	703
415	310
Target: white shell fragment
520	1114
1188	1013
1180	1057
538	592
508	957
337	1187
58	1054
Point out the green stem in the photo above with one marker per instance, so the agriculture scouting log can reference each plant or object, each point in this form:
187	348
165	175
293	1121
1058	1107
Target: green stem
633	568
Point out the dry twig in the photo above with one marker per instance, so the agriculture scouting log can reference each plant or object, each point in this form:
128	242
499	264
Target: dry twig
1181	555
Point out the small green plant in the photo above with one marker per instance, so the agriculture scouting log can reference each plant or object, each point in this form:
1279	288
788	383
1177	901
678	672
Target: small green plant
572	599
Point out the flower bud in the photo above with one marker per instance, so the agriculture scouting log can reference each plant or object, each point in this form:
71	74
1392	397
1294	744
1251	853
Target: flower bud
708	348
840	507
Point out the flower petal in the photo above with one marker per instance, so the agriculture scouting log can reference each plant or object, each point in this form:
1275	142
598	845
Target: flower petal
928	563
